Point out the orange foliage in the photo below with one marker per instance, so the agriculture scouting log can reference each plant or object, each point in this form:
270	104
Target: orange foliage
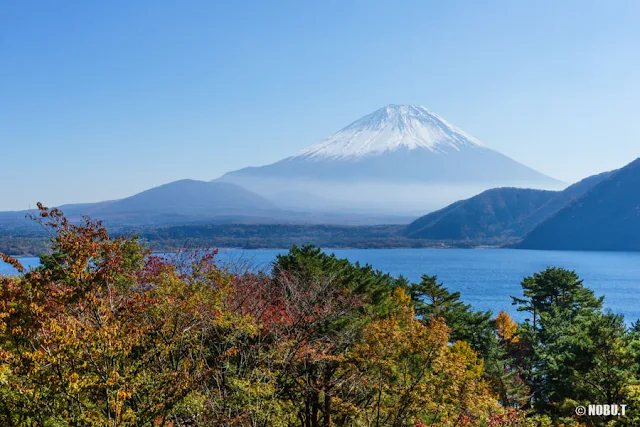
506	328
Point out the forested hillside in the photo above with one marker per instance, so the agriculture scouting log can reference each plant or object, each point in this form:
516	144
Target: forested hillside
492	215
103	333
606	218
500	215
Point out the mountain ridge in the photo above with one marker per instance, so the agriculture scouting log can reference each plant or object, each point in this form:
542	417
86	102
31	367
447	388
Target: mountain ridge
606	217
499	214
490	215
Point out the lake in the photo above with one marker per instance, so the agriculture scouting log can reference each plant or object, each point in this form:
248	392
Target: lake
486	278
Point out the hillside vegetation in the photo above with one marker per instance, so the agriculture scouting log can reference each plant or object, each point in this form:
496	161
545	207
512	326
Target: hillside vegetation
607	217
102	333
499	215
492	215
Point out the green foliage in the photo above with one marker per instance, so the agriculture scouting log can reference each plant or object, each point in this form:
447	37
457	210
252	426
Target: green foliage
574	354
309	263
431	299
557	290
103	333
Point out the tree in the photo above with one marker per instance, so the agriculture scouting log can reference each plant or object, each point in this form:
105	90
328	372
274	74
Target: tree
306	327
431	299
309	263
574	354
413	377
505	371
559	289
104	334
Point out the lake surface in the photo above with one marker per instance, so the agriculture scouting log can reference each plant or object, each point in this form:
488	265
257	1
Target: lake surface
486	278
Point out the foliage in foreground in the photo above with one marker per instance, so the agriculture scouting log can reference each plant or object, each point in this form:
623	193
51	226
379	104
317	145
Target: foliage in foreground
105	334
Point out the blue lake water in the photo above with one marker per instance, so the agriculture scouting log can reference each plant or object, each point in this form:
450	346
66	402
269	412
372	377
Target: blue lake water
486	278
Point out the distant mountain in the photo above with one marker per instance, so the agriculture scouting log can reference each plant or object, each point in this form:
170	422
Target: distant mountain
607	217
492	214
193	202
188	198
498	214
398	156
176	202
560	201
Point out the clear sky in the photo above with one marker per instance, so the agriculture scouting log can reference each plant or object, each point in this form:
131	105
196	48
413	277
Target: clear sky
100	100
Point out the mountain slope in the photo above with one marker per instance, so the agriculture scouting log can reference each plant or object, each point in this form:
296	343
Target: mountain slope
191	198
500	213
400	143
560	201
370	162
607	217
192	202
403	165
179	201
492	214
389	129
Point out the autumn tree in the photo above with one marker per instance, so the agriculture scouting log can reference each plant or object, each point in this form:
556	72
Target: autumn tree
507	377
413	377
103	334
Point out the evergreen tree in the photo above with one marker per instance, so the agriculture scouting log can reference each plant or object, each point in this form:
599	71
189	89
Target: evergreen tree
432	299
558	288
310	263
574	354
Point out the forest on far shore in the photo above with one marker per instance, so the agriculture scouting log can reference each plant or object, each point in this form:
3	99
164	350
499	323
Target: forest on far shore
245	236
105	333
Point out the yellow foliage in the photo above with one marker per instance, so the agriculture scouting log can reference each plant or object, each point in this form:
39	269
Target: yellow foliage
506	327
414	376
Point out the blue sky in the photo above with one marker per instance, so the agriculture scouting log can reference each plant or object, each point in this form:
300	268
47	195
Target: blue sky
99	100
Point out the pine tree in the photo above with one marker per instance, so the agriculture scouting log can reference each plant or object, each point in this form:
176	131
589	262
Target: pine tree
574	353
558	288
432	299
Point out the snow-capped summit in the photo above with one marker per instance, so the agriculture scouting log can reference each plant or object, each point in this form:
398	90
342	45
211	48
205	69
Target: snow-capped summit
389	129
397	158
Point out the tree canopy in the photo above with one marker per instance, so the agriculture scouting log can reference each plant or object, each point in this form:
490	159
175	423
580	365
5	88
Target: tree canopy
104	333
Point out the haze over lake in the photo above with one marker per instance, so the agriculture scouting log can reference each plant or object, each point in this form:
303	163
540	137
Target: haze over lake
486	278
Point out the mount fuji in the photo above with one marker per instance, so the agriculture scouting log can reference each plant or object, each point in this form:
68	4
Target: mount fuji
400	158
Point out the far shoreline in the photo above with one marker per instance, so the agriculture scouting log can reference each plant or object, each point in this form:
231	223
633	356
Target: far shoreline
355	248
